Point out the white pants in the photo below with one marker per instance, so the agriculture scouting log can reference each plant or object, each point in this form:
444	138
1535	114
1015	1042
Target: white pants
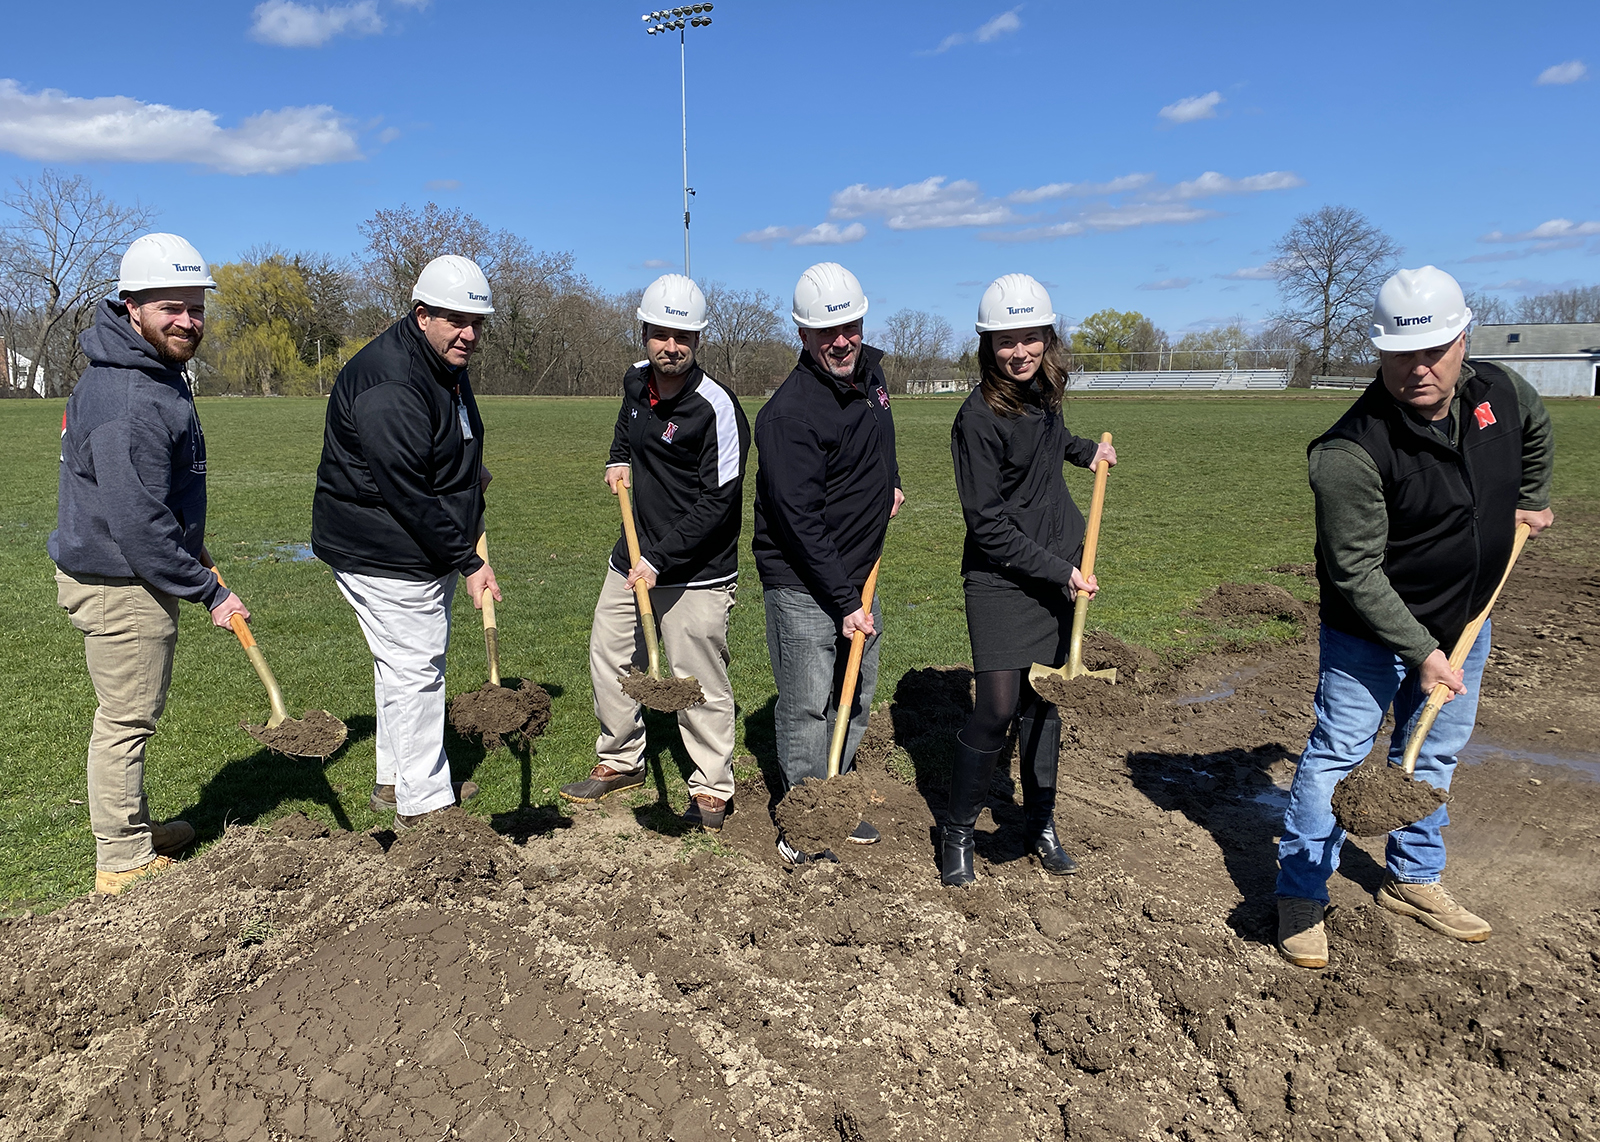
407	625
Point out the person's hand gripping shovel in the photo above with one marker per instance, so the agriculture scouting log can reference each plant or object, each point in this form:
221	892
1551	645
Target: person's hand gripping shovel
668	694
494	712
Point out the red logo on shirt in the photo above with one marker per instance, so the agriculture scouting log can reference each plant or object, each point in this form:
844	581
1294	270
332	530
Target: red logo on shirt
670	432
1485	415
883	397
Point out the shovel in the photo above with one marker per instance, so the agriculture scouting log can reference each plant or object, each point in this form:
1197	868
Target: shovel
1039	672
852	675
493	711
667	694
319	734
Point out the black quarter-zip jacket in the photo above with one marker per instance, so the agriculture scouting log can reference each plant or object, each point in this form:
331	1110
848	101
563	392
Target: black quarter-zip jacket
398	489
825	481
687	456
1021	521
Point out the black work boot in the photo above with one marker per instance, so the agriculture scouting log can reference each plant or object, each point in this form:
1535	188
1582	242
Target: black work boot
1040	742
969	789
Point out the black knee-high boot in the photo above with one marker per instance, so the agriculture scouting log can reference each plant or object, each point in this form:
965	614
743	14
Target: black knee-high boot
969	789
1040	742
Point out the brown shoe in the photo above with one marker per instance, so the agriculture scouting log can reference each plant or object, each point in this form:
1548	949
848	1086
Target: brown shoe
707	811
1435	907
1302	940
169	838
382	799
112	883
601	783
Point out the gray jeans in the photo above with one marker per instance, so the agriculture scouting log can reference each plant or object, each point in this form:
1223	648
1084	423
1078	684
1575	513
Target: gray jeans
808	663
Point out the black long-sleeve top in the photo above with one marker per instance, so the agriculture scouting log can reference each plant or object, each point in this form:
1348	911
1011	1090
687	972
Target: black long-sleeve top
1021	522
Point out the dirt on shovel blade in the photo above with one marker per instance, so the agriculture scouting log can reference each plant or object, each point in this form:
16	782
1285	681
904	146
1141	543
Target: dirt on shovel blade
494	713
1089	697
1377	798
819	814
669	695
318	734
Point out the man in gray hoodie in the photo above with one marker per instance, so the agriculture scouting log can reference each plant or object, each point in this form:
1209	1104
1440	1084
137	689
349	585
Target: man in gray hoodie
130	535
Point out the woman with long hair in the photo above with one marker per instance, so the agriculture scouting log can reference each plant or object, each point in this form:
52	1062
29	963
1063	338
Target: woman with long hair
1019	564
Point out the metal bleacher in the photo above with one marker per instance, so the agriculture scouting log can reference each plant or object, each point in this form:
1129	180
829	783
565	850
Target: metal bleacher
1208	380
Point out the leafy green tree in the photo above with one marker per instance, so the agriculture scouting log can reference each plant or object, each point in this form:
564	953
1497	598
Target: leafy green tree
256	324
1112	341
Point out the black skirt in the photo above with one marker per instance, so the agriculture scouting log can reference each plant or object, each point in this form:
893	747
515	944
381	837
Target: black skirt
1012	626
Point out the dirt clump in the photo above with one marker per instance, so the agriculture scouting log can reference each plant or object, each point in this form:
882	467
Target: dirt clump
1083	697
668	695
819	813
1102	651
1303	570
1251	603
1376	798
495	713
318	734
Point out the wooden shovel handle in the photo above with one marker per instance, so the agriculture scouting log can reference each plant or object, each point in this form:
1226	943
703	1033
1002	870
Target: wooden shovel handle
491	628
241	631
641	591
1091	545
852	674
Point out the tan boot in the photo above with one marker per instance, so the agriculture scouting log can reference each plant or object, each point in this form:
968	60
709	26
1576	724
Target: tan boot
1302	939
1435	907
169	838
112	883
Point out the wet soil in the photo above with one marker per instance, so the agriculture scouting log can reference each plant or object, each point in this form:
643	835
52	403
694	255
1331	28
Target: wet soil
819	814
1378	798
494	713
669	695
318	734
593	978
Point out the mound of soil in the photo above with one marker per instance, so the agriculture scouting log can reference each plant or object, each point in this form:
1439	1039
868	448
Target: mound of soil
318	734
1376	798
494	713
819	814
1247	604
669	695
1084	698
1102	651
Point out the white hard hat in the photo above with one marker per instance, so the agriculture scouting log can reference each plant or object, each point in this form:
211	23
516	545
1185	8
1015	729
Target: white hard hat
827	295
674	302
163	261
454	282
1014	301
1418	309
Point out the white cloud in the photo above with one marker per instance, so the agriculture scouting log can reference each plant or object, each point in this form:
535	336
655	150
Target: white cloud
1119	185
388	135
442	184
1556	228
1266	272
767	235
926	205
1035	233
1562	73
1003	24
1145	214
286	24
1210	184
1191	109
51	126
1169	283
827	234
657	264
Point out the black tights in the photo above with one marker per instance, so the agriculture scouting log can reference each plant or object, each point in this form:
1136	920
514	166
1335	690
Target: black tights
1002	695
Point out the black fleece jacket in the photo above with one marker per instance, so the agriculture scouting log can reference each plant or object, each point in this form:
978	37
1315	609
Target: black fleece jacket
1021	522
133	468
825	482
398	493
686	457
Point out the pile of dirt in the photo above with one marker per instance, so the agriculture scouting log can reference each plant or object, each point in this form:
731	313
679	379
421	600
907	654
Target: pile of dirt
669	695
494	713
1087	699
318	734
1246	604
1377	798
818	815
1102	651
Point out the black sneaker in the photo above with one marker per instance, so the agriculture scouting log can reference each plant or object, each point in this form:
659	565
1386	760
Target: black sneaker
382	799
707	811
601	783
865	834
796	858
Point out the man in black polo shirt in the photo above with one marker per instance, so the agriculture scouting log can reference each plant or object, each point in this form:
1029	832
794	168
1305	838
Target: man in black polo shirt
679	445
826	488
1419	489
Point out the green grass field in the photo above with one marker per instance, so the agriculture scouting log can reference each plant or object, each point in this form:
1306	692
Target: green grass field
1209	489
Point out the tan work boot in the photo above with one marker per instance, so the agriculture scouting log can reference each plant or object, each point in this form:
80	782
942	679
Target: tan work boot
1435	907
169	838
1302	939
112	883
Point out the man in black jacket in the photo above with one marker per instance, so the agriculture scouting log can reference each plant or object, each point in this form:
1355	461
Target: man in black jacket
130	536
397	514
826	488
680	444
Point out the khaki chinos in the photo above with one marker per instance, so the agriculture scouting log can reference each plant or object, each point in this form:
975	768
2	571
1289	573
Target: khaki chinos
130	633
694	633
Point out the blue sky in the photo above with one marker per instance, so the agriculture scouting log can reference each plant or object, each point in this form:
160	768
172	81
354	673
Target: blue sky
1137	155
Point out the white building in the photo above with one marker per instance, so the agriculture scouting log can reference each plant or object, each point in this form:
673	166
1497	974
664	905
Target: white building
1557	360
17	368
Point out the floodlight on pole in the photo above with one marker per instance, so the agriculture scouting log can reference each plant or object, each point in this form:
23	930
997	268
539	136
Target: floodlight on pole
672	20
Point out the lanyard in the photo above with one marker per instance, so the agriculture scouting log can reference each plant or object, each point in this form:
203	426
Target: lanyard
461	412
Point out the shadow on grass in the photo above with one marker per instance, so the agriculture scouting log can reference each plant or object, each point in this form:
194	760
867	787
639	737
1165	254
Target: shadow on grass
248	788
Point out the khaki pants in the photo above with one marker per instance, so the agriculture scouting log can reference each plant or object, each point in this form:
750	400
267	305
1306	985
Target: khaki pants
694	631
130	632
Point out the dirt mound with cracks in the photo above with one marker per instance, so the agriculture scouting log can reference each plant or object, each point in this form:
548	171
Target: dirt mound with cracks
819	814
1246	604
495	713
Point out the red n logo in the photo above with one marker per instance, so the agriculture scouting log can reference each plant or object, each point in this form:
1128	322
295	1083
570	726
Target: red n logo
1485	415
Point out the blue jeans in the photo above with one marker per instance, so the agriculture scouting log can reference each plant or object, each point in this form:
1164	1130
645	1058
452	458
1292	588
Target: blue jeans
808	663
1356	682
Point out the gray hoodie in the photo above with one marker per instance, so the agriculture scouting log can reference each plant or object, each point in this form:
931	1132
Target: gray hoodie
133	468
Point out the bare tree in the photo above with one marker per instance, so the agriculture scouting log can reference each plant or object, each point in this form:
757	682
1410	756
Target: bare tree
915	343
1330	265
63	248
1487	310
401	241
1562	305
744	326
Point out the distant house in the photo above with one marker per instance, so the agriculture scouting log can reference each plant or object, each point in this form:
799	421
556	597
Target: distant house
1557	360
16	369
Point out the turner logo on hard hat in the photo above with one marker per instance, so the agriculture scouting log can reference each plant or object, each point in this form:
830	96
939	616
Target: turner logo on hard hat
674	302
827	295
455	283
146	264
837	308
1015	301
1417	310
1413	320
188	269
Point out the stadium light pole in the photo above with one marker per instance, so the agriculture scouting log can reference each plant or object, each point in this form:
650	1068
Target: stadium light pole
661	22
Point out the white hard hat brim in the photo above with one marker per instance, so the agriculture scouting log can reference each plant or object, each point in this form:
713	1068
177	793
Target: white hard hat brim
829	322
1043	321
454	306
680	326
1416	342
